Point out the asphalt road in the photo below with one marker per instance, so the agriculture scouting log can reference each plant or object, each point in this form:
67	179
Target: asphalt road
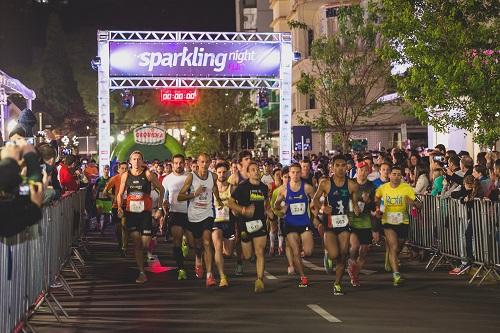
108	300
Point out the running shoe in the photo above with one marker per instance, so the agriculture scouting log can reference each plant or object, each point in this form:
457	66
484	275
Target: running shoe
223	283
455	271
291	270
181	275
303	282
184	247
397	280
337	289
142	278
239	270
211	281
198	271
259	286
387	264
327	264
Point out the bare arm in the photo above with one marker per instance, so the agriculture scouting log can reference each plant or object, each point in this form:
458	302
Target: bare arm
156	183
323	189
353	190
183	193
310	193
216	190
119	195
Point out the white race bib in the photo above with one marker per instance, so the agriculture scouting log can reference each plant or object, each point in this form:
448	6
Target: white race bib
222	214
394	218
298	208
338	221
137	206
253	226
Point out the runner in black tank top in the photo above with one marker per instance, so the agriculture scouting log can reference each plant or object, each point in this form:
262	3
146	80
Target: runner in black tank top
137	184
338	192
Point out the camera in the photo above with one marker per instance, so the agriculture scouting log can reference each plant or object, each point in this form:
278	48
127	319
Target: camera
439	158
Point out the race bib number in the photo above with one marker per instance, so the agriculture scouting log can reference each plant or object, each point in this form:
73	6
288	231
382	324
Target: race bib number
298	208
337	221
253	226
137	206
394	218
222	214
202	200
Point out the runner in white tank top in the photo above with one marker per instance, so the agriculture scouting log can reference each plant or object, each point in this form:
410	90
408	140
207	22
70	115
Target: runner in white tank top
198	189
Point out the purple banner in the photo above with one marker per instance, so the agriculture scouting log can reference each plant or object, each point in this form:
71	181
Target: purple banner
194	59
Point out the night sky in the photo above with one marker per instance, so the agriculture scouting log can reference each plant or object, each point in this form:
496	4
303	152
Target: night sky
23	22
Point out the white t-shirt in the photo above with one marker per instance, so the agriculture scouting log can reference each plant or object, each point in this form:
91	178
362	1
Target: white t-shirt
172	185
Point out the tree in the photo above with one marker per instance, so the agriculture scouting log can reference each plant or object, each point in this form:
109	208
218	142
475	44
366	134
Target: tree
348	76
219	112
452	50
59	94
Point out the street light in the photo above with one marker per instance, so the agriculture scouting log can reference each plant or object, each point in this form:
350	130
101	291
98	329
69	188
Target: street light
120	137
193	128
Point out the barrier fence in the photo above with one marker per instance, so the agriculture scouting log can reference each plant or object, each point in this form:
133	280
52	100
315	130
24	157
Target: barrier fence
441	227
33	260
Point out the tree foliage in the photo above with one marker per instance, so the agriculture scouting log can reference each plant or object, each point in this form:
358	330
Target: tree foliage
348	76
219	112
59	94
452	48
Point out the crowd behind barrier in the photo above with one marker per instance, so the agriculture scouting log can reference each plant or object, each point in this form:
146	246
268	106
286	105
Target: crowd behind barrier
440	227
33	260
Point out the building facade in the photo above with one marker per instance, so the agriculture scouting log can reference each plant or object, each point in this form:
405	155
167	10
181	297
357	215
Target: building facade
387	127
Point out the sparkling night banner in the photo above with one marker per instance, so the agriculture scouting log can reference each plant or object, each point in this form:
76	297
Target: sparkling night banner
194	59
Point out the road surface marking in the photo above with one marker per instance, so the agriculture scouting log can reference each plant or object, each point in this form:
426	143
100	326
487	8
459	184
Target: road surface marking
270	276
323	313
312	266
367	271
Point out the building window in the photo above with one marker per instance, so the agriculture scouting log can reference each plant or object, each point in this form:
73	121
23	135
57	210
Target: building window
312	102
310	38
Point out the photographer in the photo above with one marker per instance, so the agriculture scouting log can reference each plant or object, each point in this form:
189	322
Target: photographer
47	160
21	197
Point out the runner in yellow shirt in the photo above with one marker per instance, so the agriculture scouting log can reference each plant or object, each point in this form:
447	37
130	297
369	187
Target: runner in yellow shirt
393	199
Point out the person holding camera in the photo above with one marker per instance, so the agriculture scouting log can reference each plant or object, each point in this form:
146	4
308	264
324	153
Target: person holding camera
21	186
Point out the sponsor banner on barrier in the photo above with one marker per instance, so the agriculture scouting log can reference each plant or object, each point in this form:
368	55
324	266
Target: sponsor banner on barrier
194	59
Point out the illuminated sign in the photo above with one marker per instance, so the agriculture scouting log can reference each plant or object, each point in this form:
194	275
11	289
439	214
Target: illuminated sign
149	135
195	59
178	95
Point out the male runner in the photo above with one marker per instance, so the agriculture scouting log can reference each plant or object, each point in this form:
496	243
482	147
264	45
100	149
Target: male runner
397	196
338	190
223	230
238	176
361	226
201	184
177	220
250	200
306	173
138	212
103	203
112	188
296	195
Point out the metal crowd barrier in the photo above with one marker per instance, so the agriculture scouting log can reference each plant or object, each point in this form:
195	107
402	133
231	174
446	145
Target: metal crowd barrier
33	260
440	226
